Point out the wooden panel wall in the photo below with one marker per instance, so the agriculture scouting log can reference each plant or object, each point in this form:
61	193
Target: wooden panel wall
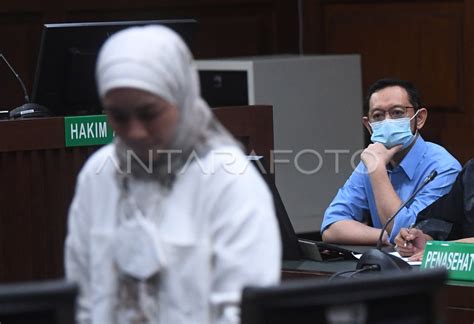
226	28
35	196
37	181
427	42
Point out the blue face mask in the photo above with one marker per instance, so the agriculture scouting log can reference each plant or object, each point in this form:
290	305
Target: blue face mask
392	132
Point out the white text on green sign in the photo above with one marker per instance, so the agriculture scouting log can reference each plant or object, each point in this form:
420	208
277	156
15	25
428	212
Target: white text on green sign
457	258
87	130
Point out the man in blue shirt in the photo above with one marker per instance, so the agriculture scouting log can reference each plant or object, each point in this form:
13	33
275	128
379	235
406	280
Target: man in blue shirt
391	169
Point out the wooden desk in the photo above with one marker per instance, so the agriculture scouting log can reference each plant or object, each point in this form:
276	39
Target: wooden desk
457	297
37	179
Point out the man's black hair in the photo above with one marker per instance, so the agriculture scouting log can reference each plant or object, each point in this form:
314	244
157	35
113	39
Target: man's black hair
413	94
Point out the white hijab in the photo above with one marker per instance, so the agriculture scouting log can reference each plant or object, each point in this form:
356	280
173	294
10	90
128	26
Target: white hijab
156	59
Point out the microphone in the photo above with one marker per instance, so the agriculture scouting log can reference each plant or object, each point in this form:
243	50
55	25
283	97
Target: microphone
428	179
25	93
385	261
28	109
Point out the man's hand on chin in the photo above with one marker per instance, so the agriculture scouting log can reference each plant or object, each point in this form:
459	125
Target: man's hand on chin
377	155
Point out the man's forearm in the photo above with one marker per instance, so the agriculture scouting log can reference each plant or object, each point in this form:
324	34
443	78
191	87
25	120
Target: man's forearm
351	232
386	199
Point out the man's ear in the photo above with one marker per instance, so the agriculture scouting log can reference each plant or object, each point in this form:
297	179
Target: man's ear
365	122
420	118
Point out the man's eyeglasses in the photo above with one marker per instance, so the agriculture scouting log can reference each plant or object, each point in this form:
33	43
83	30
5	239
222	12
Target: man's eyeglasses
395	112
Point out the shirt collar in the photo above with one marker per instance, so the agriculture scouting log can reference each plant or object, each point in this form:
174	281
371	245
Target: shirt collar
413	157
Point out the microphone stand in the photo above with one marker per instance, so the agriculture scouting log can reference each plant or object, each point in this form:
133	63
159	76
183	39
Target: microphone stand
25	93
382	260
28	109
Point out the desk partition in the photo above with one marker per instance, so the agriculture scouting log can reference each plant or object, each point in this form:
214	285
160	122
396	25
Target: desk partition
38	175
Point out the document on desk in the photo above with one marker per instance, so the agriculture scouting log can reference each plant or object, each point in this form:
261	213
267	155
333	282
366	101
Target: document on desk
413	263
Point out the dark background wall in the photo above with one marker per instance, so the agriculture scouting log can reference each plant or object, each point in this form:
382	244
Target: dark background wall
428	42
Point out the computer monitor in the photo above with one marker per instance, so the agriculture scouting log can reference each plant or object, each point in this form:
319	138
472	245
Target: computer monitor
46	302
293	247
395	298
290	244
65	78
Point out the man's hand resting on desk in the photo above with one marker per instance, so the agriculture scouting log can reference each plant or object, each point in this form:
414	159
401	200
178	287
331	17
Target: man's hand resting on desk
353	233
411	242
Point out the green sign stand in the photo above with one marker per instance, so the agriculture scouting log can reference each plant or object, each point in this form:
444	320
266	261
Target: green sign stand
87	131
457	258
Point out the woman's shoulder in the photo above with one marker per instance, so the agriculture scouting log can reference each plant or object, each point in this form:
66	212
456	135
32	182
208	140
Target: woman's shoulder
222	164
101	162
228	160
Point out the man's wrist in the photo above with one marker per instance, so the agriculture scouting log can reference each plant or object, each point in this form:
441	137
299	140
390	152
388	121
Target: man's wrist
378	169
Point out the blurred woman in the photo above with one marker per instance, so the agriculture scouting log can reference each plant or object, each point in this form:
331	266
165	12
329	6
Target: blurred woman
169	222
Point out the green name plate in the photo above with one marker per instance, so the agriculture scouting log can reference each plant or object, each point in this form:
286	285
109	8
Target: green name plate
458	258
87	131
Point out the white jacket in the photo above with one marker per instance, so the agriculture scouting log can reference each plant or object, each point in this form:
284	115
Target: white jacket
218	230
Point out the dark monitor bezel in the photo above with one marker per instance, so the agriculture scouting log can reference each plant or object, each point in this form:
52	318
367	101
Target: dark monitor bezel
28	301
55	64
300	298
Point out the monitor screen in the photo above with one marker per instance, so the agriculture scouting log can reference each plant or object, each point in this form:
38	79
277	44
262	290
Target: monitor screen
290	245
65	79
44	302
390	297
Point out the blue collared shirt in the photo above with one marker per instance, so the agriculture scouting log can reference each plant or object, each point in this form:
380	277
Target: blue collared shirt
357	197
